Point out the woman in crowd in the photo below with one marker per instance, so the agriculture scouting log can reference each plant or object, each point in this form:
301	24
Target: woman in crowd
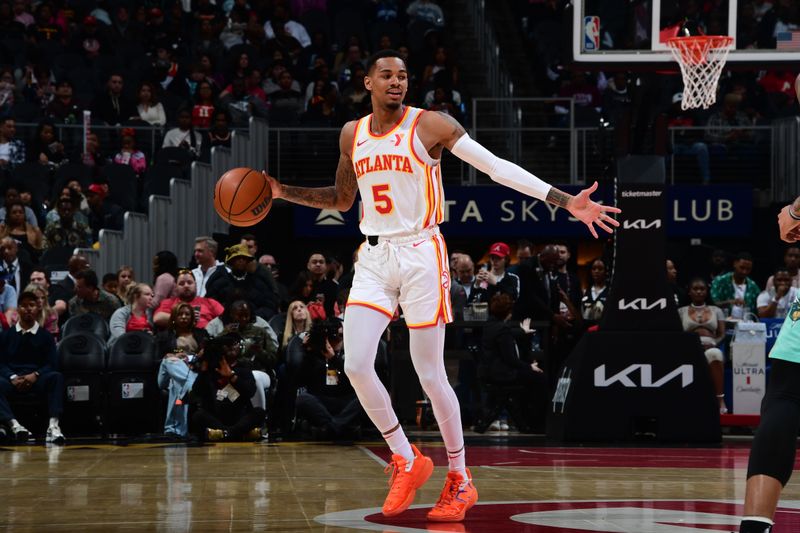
15	226
594	298
136	315
48	317
149	108
203	108
125	278
707	321
302	287
45	147
177	346
165	273
298	321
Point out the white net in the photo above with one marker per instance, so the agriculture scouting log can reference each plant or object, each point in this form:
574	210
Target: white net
701	59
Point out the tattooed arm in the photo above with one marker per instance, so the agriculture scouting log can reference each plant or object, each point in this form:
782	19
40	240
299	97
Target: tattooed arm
340	196
446	131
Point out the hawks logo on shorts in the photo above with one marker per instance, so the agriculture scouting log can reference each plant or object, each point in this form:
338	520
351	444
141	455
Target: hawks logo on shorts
400	184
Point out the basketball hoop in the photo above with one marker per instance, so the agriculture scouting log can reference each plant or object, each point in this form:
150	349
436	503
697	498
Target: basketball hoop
701	58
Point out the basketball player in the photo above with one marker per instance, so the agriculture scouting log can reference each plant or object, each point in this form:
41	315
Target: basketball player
392	158
774	446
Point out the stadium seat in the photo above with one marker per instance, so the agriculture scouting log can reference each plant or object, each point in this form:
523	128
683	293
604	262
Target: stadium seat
58	255
157	178
133	398
82	361
174	156
36	178
69	172
122	185
86	323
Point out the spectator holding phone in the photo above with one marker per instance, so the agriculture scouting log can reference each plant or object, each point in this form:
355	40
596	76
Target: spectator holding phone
178	346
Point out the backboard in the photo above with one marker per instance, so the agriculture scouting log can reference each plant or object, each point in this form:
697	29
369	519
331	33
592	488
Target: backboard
631	34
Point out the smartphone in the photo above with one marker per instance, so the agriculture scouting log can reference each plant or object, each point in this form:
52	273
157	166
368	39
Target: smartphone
321	298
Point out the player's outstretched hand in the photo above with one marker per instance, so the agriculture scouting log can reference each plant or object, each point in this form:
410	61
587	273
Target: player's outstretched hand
590	212
789	227
275	185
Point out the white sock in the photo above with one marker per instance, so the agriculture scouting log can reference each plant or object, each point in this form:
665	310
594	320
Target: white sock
457	462
53	421
14	424
759	519
398	442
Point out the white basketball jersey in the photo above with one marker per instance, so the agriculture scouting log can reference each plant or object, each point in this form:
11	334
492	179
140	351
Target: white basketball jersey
400	184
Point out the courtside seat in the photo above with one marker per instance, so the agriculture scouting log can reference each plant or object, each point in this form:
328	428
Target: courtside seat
82	362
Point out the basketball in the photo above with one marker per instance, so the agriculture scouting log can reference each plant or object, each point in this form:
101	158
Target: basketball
242	197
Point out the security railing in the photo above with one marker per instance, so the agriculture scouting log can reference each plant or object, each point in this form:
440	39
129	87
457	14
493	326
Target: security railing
713	155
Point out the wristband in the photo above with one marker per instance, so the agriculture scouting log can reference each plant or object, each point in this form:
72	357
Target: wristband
791	214
12	377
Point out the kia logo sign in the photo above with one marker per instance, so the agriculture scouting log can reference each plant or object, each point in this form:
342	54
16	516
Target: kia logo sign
641	304
627	377
641	223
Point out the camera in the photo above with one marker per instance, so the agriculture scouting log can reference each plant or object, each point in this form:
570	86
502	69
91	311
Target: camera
322	330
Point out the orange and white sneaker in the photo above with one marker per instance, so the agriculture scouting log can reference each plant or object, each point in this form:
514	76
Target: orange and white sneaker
404	483
458	496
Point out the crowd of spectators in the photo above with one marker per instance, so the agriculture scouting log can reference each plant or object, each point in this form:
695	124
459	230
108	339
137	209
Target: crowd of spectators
647	102
277	356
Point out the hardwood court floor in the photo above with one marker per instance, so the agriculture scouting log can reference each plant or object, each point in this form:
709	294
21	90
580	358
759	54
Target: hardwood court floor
328	488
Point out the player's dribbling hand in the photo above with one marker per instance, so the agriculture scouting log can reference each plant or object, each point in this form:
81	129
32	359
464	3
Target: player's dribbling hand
275	185
789	227
582	207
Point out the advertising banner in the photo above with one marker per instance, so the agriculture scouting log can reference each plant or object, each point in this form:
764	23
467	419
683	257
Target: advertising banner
493	211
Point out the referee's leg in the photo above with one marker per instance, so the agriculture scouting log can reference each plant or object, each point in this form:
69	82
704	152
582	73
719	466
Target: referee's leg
773	452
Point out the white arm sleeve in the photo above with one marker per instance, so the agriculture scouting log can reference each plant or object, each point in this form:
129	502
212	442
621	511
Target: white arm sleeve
502	171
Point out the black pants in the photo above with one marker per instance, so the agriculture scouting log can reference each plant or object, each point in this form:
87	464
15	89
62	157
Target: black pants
50	384
248	420
775	442
335	412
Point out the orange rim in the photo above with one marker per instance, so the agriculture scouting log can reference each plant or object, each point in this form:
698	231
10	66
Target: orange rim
694	49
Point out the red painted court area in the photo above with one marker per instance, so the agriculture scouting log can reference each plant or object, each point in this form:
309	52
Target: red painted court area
729	456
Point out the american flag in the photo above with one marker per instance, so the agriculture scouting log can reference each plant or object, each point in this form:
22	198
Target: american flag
788	40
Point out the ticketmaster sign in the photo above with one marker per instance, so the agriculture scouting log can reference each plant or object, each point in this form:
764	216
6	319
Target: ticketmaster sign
692	211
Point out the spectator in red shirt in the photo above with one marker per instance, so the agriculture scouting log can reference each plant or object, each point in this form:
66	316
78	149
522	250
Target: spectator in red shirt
186	290
203	107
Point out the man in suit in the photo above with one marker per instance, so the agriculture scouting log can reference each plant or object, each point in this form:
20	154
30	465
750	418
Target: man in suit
20	267
29	364
113	107
63	291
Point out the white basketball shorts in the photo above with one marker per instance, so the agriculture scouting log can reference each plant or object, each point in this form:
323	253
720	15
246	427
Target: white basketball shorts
412	271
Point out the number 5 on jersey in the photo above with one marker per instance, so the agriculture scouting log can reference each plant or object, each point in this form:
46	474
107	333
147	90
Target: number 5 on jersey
381	199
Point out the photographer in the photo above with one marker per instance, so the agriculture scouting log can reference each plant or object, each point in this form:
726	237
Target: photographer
507	361
222	393
327	401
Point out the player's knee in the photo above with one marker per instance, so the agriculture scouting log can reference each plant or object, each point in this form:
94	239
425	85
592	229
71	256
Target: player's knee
714	354
355	371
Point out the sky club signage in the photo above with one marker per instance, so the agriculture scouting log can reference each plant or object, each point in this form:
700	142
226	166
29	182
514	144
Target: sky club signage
691	211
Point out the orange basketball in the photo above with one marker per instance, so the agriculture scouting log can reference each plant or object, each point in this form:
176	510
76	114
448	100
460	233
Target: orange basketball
242	197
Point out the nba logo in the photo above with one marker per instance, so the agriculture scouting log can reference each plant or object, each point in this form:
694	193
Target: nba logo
591	34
